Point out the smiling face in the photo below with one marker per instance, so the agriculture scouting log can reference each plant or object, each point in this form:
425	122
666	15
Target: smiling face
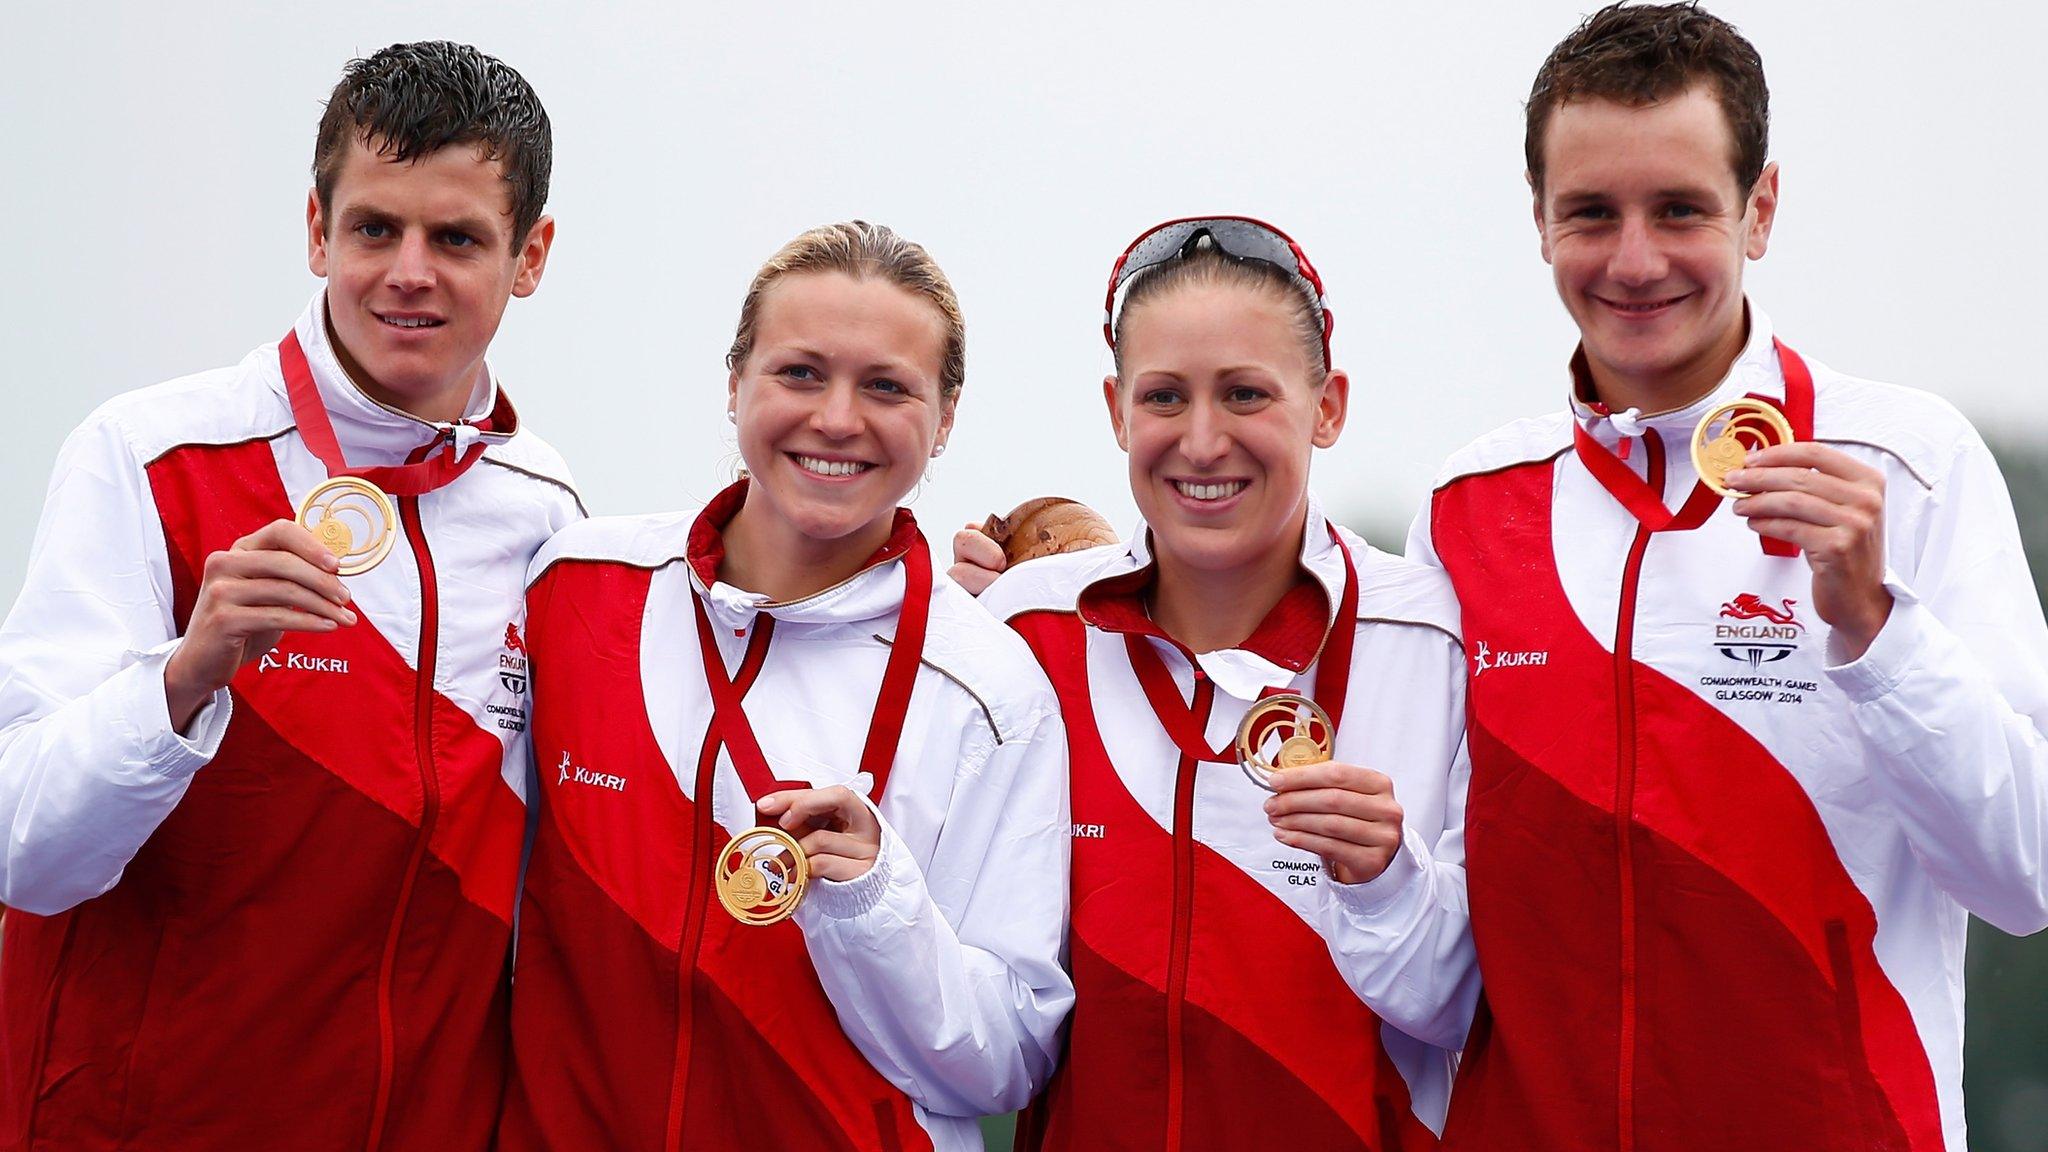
1219	406
1646	230
839	408
420	259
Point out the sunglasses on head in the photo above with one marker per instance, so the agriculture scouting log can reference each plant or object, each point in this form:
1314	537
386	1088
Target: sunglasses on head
1238	237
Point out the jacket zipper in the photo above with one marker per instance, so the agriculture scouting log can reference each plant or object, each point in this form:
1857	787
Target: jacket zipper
1183	917
698	891
1624	803
430	807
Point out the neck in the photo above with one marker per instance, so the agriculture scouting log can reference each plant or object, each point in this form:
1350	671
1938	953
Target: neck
445	405
767	554
1675	388
1208	610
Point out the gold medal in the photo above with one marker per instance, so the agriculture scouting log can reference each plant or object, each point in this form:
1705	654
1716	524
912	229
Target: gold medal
353	519
761	875
1729	433
1294	727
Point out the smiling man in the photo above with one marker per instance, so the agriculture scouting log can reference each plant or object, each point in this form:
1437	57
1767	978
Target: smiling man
1741	766
263	698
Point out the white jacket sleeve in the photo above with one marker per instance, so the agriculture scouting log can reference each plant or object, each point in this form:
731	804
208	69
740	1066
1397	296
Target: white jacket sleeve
1951	699
1403	940
947	975
89	763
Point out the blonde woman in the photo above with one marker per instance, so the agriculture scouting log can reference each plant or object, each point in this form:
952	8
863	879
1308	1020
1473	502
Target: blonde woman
784	661
1255	969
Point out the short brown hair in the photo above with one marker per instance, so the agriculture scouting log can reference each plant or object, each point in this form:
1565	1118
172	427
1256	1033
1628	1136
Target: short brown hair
412	100
863	251
1643	54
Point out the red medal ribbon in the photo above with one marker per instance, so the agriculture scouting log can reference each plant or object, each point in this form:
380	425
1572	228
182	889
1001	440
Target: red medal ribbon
1646	503
892	705
1333	675
316	428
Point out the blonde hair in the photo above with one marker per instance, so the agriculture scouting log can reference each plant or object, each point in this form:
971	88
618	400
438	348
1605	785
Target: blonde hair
863	251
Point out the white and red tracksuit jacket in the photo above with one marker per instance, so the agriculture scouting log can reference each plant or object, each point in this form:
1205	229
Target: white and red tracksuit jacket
891	1009
1719	877
1231	996
287	926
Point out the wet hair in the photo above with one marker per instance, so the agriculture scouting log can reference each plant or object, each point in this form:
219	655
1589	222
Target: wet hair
412	100
863	251
1645	54
1208	264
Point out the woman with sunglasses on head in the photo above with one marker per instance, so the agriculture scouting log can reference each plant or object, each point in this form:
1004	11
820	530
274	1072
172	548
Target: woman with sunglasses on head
770	706
1254	969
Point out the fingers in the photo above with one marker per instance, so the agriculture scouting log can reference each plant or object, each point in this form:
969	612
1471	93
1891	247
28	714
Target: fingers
1754	481
1373	806
977	560
837	855
1340	829
1803	507
837	808
1344	813
1347	863
1819	457
1331	774
288	536
839	833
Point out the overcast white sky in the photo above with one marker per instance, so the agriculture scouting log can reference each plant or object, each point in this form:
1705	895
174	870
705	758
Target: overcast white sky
157	155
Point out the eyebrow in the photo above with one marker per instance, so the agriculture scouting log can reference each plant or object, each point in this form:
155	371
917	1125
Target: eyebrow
1589	196
889	368
371	214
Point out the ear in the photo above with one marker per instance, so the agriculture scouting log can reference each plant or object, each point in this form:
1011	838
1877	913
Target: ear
1536	211
316	235
732	391
533	257
1113	397
1763	211
947	408
1331	407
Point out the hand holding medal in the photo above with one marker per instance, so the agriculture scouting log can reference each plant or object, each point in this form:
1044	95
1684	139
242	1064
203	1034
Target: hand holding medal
1726	436
1344	813
277	579
761	874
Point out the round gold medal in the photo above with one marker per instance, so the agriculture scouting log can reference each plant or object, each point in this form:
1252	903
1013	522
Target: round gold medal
1729	433
761	875
1282	732
353	519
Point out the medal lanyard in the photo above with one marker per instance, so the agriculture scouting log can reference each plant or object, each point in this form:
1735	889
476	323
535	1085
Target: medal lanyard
729	717
1646	504
316	428
1333	675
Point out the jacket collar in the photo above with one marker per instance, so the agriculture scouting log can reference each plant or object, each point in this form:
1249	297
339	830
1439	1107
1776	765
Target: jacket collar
1283	645
874	592
1755	370
373	434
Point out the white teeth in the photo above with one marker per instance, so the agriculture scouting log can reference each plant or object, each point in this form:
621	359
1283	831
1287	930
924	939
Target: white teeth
411	322
830	467
1211	491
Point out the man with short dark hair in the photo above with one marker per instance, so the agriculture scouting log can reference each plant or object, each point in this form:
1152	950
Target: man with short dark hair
262	698
1740	765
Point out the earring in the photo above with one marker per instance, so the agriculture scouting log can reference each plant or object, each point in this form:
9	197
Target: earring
939	449
732	416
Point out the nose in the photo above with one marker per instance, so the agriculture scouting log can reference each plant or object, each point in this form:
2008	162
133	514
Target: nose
837	416
412	269
1206	439
1636	258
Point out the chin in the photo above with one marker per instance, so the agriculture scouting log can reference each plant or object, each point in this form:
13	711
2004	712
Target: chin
1208	549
